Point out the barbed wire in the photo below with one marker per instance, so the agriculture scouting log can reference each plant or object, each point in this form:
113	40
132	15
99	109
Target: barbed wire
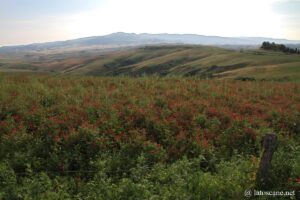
146	166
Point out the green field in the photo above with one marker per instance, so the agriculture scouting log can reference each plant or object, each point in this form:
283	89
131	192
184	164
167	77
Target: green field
119	138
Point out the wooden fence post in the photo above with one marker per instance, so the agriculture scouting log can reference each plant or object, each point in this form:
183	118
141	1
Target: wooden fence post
263	178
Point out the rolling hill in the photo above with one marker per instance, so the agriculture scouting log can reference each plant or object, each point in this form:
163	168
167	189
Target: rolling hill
178	60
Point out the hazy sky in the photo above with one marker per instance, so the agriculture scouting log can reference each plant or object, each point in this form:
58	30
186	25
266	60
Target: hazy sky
28	21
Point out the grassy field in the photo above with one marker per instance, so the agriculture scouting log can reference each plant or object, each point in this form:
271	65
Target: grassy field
200	61
79	137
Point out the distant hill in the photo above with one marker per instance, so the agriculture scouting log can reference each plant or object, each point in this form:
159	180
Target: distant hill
200	61
179	60
131	39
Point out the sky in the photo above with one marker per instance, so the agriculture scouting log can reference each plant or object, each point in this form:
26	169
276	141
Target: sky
31	21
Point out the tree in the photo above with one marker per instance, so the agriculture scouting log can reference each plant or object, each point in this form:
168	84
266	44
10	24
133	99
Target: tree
278	47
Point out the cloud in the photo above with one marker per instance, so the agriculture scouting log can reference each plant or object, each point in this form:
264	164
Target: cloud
80	18
287	7
290	12
208	17
14	32
20	9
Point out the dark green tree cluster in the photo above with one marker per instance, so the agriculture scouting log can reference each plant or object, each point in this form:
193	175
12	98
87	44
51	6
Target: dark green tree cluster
279	47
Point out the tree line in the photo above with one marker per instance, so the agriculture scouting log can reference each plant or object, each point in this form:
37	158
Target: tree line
279	47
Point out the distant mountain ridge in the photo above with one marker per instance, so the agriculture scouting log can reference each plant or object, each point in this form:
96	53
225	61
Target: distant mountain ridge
132	39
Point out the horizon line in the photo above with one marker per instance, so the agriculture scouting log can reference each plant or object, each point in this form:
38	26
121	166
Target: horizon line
65	40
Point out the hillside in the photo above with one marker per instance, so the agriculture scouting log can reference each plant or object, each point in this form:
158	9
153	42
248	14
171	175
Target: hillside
194	60
183	60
